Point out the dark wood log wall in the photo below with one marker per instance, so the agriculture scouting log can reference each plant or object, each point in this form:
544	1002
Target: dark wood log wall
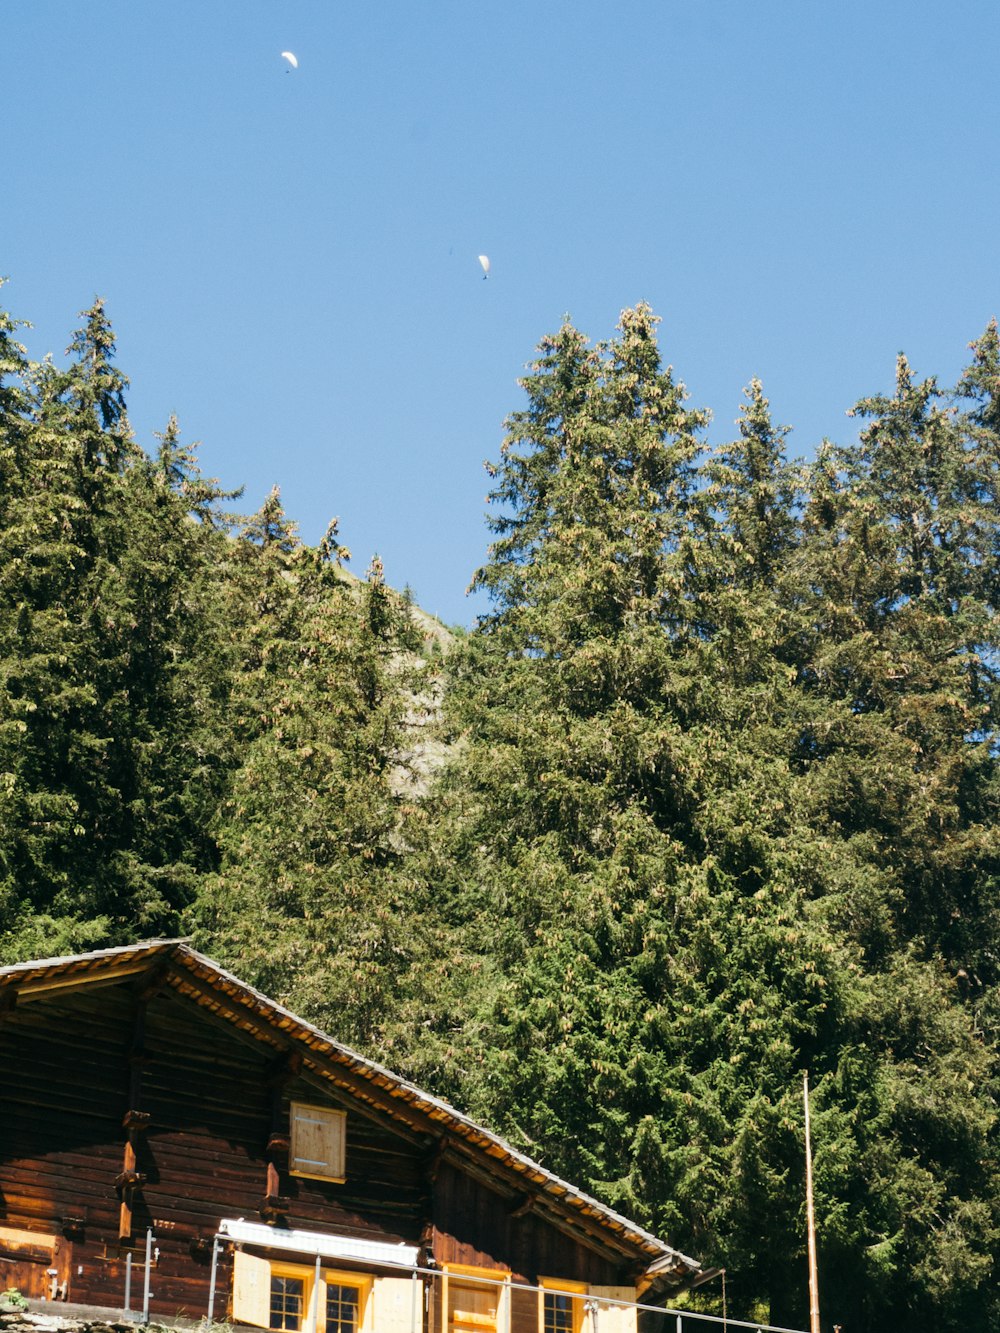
61	1105
209	1146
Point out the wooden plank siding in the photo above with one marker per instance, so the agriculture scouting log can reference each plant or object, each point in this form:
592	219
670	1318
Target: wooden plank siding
61	1105
475	1226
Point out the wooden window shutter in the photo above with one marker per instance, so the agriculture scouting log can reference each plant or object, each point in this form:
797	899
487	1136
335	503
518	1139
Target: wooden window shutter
398	1308
251	1290
614	1318
318	1137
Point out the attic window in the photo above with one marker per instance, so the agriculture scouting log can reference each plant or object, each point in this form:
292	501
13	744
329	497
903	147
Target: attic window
318	1138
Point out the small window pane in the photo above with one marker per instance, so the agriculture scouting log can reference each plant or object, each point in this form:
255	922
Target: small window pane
286	1303
341	1309
558	1312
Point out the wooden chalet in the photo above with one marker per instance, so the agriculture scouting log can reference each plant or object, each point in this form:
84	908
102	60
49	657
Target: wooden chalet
149	1100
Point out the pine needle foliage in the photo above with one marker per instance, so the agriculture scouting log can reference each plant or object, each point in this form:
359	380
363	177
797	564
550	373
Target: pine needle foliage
725	810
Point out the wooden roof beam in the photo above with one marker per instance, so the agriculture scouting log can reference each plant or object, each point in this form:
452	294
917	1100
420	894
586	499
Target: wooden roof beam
182	980
42	986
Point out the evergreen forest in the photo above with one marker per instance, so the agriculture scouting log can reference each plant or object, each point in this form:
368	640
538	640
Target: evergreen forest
706	799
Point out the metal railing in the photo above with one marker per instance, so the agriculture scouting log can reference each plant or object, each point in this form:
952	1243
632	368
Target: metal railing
593	1305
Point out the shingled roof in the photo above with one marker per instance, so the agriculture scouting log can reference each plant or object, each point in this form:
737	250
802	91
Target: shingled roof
198	978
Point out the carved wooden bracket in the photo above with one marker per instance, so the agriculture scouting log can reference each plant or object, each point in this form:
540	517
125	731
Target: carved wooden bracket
521	1205
135	1122
434	1159
130	1180
73	1227
273	1207
279	1074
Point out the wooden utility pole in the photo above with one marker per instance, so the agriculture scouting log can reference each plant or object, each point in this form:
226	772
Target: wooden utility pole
810	1221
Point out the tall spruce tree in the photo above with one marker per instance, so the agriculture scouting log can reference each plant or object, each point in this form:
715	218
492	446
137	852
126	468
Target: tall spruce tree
105	642
57	570
751	491
309	901
900	587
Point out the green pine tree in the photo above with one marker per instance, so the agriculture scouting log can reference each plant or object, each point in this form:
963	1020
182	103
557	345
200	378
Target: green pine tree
310	901
111	683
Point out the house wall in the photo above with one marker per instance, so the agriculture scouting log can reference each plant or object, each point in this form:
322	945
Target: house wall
61	1105
475	1226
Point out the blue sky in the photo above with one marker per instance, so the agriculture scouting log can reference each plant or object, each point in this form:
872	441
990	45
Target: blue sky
289	259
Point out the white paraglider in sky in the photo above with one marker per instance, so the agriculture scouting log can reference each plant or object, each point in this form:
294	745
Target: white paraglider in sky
485	262
287	55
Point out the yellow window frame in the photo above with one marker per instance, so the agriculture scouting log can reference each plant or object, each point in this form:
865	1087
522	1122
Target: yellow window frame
552	1286
314	1301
